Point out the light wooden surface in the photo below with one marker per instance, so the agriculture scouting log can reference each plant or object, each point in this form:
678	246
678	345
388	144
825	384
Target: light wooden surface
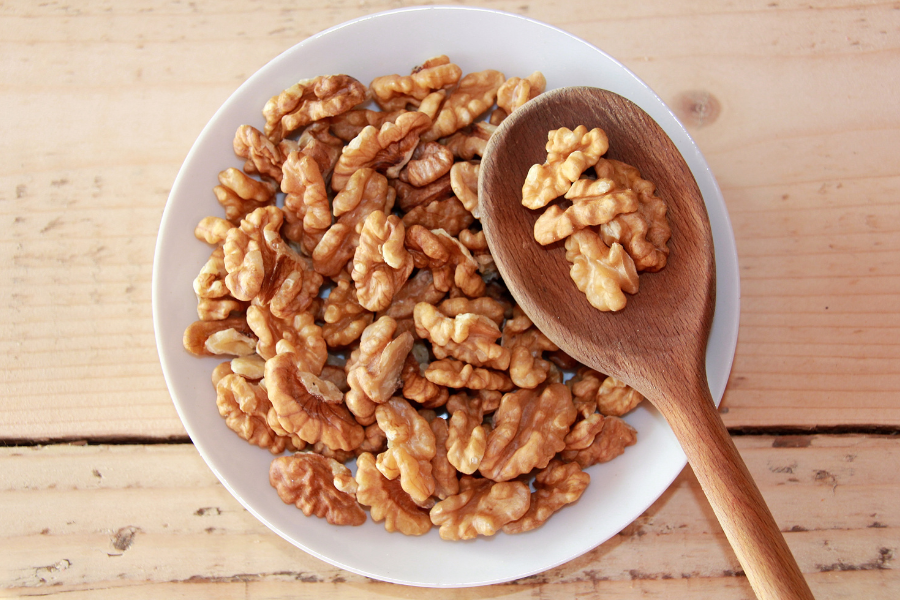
793	104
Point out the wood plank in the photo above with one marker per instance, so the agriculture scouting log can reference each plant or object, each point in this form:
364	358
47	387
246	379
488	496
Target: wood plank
92	520
788	101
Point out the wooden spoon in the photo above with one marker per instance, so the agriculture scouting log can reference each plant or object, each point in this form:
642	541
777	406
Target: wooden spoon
657	343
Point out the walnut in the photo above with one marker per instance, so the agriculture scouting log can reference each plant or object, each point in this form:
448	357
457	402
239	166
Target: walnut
310	100
393	92
516	91
594	202
446	482
468	337
261	265
381	264
221	371
471	141
347	126
529	429
240	194
212	230
612	440
483	507
373	370
409	196
310	407
645	232
344	318
418	389
464	181
451	263
210	282
386	150
485	306
216	309
615	398
319	144
307	211
554	487
336	375
375	442
418	288
411	447
448	214
365	192
474	95
388	501
226	336
429	162
602	272
251	367
300	331
467	440
584	431
318	486
262	156
244	407
432	103
527	367
477	245
486	401
569	153
457	374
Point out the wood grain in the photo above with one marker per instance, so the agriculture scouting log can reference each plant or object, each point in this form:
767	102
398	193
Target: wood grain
96	521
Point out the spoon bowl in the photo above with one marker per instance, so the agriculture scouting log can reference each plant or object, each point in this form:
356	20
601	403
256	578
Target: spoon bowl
657	343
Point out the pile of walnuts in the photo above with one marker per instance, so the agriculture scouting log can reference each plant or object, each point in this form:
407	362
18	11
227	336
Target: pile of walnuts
613	223
352	289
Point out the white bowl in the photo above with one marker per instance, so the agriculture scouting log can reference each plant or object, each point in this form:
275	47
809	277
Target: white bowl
386	43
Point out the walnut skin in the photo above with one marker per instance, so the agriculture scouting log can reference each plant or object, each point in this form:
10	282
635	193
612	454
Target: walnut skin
482	508
226	336
411	447
604	273
555	486
388	501
474	95
310	407
449	215
373	371
310	481
569	153
262	155
464	181
446	482
451	263
386	150
381	264
516	91
457	374
306	208
366	191
594	202
240	194
244	407
344	318
612	440
212	230
310	100
467	437
645	232
300	331
468	337
428	163
420	390
529	429
393	92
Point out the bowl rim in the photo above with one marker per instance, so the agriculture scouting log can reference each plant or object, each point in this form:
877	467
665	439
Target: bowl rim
726	261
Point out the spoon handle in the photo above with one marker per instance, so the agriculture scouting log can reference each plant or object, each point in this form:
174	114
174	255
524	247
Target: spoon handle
757	541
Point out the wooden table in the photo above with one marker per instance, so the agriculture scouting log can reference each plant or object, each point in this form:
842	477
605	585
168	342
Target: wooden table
101	492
